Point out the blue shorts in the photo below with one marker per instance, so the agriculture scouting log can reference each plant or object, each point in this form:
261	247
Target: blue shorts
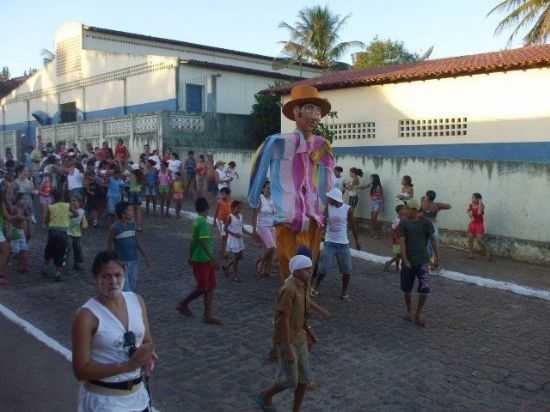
339	251
111	203
151	190
408	276
135	198
130	283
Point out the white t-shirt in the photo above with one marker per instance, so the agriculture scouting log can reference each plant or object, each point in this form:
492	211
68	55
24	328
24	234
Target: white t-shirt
74	179
223	180
337	224
339	183
266	213
174	166
155	159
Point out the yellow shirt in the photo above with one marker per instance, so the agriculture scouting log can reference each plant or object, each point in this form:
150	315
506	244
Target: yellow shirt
178	186
59	216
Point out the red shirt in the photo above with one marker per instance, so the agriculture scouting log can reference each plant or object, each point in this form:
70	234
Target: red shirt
121	152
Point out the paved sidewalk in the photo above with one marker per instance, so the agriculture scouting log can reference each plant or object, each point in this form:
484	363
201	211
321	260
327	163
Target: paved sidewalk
483	349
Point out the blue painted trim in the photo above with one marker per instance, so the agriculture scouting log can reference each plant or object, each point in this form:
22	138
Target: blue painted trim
168	105
105	113
529	151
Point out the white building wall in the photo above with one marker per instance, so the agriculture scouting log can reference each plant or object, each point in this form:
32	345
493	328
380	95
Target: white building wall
151	87
115	44
500	107
235	91
105	95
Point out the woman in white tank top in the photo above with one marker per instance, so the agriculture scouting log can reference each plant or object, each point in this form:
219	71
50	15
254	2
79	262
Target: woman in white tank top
339	217
112	345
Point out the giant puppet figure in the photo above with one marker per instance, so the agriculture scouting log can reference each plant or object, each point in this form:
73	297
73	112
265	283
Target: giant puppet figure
300	166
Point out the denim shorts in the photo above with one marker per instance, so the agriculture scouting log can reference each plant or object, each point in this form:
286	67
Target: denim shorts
111	203
130	283
339	251
135	198
408	275
290	374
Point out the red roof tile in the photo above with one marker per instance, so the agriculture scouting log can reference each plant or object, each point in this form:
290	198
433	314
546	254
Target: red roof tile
515	59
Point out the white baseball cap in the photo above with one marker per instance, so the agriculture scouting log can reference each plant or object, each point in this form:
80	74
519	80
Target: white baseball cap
336	194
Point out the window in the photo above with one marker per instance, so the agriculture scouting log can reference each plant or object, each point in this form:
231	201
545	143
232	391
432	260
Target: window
67	112
193	98
359	130
443	127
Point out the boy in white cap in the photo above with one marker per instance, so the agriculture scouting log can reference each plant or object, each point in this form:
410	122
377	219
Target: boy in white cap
290	337
338	218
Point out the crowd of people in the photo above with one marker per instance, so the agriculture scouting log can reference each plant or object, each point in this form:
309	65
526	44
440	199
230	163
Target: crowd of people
306	201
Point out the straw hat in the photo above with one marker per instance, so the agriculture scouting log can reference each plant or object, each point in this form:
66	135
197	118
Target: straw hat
300	95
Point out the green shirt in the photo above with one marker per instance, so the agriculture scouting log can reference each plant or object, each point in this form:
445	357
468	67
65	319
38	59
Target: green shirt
59	216
201	231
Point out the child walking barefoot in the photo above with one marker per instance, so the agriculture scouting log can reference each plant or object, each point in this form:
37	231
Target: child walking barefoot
396	239
223	210
178	191
235	241
262	227
476	228
45	195
165	181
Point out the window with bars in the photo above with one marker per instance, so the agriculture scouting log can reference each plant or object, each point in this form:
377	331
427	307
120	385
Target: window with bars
348	131
442	127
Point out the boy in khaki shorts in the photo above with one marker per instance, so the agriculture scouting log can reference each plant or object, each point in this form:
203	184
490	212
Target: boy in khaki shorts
290	338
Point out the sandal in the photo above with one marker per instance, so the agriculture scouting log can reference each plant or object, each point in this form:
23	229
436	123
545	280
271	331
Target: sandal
260	401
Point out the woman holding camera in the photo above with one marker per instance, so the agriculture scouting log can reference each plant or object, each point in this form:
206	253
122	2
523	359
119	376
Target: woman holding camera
113	350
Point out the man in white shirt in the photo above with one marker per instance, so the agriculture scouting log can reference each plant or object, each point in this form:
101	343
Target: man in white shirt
174	164
75	180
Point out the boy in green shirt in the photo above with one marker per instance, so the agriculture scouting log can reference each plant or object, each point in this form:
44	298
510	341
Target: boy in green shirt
201	258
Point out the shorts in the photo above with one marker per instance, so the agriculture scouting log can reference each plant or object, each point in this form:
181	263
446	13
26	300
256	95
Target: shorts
56	248
150	190
135	198
79	193
221	227
212	187
163	190
46	200
476	229
19	245
376	205
342	254
396	249
178	196
290	374
409	274
353	201
111	203
205	275
130	282
267	235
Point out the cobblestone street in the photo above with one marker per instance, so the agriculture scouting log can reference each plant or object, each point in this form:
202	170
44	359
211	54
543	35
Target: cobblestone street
483	349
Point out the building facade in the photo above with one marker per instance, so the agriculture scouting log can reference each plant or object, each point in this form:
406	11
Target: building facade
101	73
477	123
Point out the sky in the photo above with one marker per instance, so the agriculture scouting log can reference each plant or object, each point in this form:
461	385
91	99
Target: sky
454	28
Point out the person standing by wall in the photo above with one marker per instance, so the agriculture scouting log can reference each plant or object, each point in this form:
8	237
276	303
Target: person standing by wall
476	228
429	209
301	173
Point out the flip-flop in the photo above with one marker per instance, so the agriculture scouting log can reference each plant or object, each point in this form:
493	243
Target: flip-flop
260	401
184	311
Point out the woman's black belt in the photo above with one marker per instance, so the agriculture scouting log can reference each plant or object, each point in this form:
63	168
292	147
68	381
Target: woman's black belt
125	386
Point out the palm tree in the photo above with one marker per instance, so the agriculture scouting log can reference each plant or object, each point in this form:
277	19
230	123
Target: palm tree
521	14
315	37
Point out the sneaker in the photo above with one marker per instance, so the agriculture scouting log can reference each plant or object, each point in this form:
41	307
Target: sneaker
314	292
344	298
